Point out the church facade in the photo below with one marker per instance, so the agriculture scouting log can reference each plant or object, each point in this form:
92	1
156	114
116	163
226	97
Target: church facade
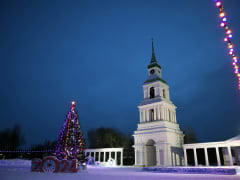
158	139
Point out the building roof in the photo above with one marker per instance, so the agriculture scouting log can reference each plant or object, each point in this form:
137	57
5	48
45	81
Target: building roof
235	141
155	79
236	138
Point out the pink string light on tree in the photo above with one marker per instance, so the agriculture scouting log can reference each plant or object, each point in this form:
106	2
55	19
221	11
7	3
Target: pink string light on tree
227	39
70	143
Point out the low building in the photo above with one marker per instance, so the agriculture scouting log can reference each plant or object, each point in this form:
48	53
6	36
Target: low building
222	153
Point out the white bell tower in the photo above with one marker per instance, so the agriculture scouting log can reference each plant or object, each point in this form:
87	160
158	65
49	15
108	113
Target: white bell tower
158	139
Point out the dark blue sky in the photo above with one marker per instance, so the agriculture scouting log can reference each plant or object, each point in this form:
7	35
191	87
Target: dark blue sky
97	52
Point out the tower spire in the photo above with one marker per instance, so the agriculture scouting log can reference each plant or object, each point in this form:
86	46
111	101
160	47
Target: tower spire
153	59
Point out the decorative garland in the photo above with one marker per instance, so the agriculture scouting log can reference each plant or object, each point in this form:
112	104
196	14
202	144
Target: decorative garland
26	151
227	39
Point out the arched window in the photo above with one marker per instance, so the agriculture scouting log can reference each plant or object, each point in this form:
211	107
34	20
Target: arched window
151	114
152	93
164	94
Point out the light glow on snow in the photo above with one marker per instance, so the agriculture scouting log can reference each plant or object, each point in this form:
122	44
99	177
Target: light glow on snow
20	169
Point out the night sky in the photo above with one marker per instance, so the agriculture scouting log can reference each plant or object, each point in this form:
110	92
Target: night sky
97	52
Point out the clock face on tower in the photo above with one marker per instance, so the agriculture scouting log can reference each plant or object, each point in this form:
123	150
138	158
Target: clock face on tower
152	71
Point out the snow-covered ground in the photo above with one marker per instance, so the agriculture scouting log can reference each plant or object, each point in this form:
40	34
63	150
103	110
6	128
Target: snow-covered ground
20	170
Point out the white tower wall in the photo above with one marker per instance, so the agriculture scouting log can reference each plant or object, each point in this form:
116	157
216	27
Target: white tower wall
158	139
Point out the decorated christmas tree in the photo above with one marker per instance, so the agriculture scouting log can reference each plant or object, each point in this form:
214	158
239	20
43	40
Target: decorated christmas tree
70	143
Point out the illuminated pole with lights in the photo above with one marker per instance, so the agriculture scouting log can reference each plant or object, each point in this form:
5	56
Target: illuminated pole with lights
70	143
227	39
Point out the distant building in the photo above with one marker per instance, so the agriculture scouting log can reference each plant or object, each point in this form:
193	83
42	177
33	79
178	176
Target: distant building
158	139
